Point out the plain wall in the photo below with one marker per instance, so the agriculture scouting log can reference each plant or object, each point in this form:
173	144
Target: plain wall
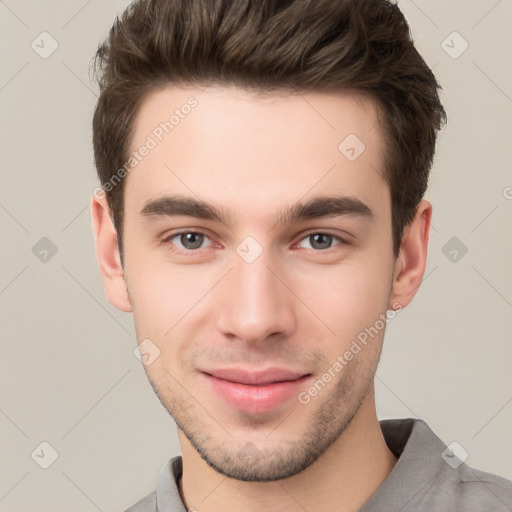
68	373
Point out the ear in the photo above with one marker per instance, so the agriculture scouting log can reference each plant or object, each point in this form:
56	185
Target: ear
107	252
412	258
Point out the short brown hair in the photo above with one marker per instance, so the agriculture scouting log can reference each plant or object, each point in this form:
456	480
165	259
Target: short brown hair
265	45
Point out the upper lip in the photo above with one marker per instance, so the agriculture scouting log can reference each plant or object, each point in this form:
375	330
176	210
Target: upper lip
255	377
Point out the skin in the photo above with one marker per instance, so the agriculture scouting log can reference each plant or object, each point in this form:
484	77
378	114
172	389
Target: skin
298	305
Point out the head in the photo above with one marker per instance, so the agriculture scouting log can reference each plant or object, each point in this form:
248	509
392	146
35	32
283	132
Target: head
275	216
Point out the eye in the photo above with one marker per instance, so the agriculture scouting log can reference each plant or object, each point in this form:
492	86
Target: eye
189	240
320	241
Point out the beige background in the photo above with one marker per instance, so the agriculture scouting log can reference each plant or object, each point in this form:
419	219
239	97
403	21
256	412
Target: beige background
68	373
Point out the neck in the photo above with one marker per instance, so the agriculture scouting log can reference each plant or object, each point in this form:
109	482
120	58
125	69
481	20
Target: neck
342	479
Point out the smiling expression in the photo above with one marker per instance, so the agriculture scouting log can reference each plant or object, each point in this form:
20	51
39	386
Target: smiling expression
256	251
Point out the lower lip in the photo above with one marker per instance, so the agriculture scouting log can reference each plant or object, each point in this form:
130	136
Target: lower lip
256	399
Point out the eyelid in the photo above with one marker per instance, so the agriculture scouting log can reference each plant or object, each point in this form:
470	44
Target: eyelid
343	239
167	240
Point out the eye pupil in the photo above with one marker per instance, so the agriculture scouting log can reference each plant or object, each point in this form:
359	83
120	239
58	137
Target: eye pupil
320	241
192	240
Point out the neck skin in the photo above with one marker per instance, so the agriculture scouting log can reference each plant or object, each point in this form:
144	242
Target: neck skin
342	479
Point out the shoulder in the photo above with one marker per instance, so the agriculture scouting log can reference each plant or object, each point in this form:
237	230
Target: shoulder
429	475
166	497
465	489
147	504
476	490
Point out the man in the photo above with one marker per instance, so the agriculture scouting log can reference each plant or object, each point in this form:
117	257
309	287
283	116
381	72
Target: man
263	166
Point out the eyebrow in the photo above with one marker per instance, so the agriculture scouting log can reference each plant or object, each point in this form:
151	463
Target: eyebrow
318	207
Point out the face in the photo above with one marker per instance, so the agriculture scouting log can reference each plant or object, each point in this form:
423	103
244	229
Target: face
258	256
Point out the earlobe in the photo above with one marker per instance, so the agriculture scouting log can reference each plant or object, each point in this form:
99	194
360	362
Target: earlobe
107	252
411	261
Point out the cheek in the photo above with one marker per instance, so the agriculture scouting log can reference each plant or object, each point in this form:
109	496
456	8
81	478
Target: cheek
154	306
169	308
162	295
347	298
172	304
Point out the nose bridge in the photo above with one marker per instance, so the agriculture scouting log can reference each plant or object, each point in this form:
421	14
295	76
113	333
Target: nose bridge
254	281
256	304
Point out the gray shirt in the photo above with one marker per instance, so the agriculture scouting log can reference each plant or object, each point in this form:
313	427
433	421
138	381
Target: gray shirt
428	477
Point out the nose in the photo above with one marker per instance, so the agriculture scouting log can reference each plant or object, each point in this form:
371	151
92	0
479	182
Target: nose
255	302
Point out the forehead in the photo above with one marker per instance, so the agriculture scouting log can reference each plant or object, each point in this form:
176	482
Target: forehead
232	145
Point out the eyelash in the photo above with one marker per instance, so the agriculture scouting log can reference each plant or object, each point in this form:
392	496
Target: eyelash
191	252
341	241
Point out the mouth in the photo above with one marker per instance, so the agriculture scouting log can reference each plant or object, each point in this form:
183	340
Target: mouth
255	392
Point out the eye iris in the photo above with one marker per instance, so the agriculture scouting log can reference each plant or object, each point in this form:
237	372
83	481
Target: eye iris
192	240
320	241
